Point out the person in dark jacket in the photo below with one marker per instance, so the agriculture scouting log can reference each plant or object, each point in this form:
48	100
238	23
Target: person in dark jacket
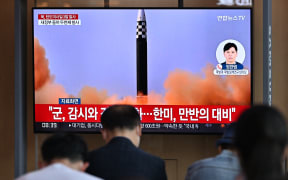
261	138
121	158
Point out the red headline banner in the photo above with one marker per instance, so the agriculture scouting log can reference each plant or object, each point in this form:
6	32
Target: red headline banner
57	16
148	113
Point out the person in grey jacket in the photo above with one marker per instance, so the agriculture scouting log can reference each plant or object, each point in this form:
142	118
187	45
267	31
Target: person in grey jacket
224	166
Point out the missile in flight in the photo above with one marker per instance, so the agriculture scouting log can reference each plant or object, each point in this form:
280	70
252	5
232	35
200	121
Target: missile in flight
141	50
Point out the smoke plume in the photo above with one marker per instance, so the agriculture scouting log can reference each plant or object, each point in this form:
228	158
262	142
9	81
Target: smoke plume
195	89
50	93
90	95
182	88
41	69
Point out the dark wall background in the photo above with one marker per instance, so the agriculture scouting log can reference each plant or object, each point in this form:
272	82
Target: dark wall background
7	89
179	151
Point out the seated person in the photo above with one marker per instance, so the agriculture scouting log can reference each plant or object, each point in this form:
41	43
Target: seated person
230	54
224	166
63	157
260	139
121	158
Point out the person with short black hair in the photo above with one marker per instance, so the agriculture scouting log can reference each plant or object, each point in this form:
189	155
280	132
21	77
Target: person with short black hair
230	53
62	146
261	138
224	166
64	157
121	158
230	45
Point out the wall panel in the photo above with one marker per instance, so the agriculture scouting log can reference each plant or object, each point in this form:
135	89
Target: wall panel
178	150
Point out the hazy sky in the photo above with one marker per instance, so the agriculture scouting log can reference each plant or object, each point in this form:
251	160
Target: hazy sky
101	52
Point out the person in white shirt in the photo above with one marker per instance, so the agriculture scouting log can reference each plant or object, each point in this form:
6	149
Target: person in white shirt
64	158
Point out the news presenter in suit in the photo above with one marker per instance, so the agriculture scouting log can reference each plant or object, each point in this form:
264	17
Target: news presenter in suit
120	158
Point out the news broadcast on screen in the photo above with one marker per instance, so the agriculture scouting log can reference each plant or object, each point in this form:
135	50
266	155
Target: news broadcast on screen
184	70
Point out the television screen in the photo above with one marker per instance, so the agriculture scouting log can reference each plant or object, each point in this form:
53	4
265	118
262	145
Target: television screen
184	70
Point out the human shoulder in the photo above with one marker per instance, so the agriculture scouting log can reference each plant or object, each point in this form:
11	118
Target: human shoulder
196	169
96	155
150	156
28	176
84	176
96	151
239	65
57	172
226	160
201	163
37	173
74	174
155	164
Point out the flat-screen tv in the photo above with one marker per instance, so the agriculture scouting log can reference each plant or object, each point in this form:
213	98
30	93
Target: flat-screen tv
185	70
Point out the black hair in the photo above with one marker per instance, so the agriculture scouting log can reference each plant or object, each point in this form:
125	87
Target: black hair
60	146
229	45
227	141
260	138
227	146
120	116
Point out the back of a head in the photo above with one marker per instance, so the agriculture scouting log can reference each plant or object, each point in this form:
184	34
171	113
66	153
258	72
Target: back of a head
227	141
260	124
260	138
120	117
62	146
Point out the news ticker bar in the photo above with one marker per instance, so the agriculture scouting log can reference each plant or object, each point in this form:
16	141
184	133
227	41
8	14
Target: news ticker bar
191	114
146	127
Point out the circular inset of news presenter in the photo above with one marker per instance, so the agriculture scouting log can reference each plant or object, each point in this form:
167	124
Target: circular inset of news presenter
230	55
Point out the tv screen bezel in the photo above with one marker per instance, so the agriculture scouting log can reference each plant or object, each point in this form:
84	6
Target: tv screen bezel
218	130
